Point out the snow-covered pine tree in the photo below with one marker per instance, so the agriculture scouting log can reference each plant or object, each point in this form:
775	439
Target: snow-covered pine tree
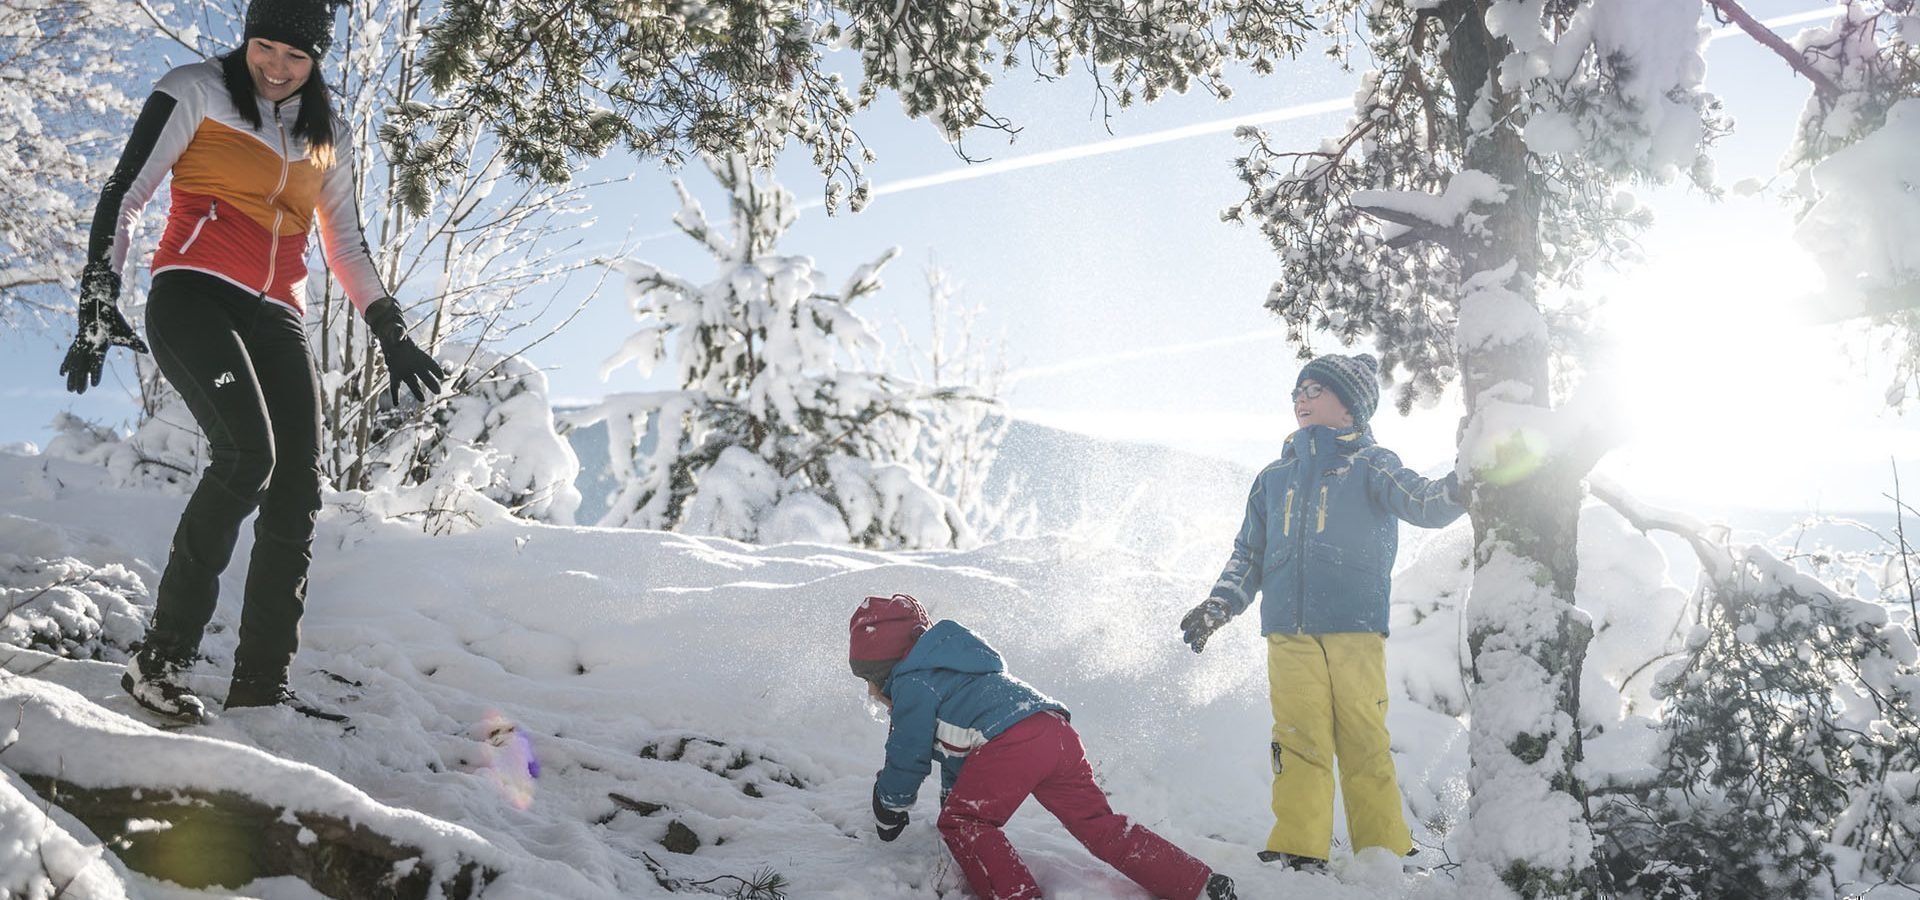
1791	735
554	80
785	426
64	65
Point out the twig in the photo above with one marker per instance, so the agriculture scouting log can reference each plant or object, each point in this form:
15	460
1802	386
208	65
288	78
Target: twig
1904	549
19	718
64	582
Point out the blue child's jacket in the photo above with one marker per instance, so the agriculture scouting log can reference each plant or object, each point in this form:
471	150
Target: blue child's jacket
1320	534
951	694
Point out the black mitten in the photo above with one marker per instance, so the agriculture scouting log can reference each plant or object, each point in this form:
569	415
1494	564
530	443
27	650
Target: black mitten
100	326
406	363
889	822
1203	621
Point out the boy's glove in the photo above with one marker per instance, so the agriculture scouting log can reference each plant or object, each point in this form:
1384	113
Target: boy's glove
1203	621
889	822
100	326
406	362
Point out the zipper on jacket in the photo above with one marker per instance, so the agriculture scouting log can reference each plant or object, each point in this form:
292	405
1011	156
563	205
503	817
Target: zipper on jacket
213	215
273	234
1286	518
1322	524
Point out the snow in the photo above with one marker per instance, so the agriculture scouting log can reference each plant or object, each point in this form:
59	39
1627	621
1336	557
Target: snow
1621	79
1665	40
513	687
1491	313
1862	228
1466	188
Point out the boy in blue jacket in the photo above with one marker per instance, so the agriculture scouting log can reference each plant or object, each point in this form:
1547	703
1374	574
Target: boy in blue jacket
1318	545
998	741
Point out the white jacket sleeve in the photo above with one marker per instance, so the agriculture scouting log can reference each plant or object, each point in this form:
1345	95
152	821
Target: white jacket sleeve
341	234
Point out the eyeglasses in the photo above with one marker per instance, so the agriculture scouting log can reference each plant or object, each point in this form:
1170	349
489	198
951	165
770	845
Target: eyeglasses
1308	391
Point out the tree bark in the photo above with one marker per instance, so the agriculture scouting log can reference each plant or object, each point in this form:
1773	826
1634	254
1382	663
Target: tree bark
1527	639
230	839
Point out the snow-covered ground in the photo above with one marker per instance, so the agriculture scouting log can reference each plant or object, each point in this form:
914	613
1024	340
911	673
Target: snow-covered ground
709	677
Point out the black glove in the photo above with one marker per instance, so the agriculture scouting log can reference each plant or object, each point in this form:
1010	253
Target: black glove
1203	621
406	363
889	822
100	326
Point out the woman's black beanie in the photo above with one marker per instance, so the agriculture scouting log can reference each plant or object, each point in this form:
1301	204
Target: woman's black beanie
306	25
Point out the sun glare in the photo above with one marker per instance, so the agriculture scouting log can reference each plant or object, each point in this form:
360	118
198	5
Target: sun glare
1717	370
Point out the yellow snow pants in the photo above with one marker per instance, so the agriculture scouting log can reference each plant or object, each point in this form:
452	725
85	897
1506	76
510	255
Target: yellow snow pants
1329	694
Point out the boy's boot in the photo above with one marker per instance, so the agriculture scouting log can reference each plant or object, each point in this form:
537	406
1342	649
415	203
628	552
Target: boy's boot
270	689
1220	887
156	680
1297	863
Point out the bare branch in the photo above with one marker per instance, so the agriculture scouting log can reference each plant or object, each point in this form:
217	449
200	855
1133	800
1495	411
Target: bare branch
1731	9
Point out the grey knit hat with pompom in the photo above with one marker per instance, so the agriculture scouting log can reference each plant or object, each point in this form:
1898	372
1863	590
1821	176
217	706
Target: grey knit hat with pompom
1354	379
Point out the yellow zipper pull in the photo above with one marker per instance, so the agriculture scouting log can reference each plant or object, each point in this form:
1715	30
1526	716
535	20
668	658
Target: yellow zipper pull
1286	521
1323	510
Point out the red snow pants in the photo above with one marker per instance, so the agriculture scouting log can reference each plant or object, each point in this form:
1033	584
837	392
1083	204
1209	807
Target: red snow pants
1041	755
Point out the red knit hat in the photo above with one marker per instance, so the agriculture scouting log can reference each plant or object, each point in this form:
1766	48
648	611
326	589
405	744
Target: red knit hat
884	628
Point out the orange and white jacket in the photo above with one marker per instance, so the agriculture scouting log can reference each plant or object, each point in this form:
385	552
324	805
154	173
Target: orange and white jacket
244	201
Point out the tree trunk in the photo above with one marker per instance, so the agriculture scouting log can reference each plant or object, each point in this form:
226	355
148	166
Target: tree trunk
231	839
1526	637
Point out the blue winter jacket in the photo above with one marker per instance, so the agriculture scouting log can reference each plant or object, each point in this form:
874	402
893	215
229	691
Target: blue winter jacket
1320	534
950	695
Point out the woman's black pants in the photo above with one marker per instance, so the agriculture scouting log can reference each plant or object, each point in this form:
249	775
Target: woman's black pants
245	370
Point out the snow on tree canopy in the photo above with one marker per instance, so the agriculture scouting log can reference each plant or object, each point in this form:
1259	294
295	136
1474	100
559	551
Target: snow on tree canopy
1862	229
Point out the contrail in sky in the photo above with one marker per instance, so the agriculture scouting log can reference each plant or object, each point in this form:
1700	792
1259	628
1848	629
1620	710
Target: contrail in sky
1113	145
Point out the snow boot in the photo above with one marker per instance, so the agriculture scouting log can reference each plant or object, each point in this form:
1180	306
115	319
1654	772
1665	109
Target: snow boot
1296	863
272	690
1220	887
156	681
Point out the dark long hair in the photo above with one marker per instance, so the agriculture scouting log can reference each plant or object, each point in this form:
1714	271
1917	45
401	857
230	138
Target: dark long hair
315	122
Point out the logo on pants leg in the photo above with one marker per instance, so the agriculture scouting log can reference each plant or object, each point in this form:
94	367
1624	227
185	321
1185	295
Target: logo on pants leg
223	379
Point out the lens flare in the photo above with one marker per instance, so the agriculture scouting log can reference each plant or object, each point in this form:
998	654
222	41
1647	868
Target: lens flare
1517	455
507	759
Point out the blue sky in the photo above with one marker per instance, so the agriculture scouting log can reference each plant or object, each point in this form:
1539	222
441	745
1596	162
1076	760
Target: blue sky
1131	311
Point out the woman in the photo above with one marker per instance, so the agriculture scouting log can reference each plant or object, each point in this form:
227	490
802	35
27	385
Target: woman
250	141
1318	544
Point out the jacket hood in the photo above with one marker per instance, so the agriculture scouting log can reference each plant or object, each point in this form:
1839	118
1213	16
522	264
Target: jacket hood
949	645
1321	441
